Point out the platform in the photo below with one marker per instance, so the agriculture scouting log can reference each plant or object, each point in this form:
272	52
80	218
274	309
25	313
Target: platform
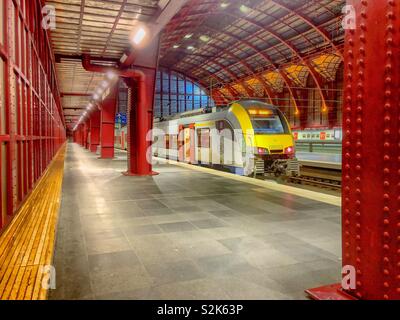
320	160
27	245
186	234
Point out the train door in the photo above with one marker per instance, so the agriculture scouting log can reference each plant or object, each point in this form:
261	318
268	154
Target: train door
186	144
204	145
226	143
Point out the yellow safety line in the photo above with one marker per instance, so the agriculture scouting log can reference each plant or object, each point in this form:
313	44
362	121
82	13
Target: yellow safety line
27	245
325	198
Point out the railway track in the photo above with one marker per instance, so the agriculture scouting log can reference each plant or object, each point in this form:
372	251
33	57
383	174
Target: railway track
315	178
318	177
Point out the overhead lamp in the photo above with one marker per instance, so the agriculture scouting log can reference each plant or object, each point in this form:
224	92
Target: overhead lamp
111	75
224	5
139	36
176	46
188	36
190	48
244	9
204	38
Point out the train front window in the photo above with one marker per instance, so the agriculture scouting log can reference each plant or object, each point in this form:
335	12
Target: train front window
268	125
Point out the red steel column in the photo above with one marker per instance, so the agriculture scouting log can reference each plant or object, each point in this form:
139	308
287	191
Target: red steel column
140	123
95	130
371	152
87	134
107	125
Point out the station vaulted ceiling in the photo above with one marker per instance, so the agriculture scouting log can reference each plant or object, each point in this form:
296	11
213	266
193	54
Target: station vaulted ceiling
228	44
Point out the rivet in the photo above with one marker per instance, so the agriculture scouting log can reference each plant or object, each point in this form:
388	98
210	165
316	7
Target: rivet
386	271
386	297
386	209
386	221
386	284
386	234
386	247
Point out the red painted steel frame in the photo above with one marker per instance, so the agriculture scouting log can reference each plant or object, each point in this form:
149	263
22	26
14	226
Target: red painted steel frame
107	124
33	129
371	152
95	130
142	81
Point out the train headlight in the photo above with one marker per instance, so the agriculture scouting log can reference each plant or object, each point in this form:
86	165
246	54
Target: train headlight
262	151
289	150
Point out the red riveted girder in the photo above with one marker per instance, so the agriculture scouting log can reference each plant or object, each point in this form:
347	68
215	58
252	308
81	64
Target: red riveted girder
371	152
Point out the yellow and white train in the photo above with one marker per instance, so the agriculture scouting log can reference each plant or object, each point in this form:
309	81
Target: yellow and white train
247	137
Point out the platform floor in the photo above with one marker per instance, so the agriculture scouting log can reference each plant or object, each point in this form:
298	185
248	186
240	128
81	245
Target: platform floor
187	235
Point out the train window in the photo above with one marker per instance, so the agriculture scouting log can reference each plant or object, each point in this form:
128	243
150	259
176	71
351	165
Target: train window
174	142
265	125
203	138
166	141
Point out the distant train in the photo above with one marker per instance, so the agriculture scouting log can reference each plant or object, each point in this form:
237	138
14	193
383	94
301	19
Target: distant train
247	137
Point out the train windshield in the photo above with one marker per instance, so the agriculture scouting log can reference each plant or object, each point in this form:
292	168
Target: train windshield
270	122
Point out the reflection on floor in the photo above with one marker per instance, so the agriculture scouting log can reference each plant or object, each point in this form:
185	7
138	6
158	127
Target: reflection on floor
187	235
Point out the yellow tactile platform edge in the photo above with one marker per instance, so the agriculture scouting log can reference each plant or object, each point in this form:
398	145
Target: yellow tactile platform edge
27	245
321	197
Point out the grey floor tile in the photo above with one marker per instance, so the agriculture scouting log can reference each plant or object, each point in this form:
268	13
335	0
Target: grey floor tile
113	260
176	226
183	270
208	224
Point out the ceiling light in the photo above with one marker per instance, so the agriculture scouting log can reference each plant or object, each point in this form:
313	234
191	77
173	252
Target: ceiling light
244	9
190	48
188	36
176	46
204	38
110	75
139	36
224	5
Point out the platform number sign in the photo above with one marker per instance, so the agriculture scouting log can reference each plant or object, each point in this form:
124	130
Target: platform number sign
121	118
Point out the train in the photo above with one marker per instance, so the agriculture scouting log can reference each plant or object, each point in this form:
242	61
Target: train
246	137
